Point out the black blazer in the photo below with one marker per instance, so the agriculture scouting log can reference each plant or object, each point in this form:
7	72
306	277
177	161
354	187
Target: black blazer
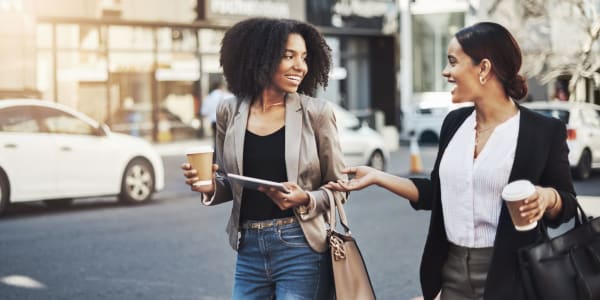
541	157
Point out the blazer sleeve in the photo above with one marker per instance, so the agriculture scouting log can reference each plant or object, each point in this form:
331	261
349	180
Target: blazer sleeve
331	165
222	189
557	174
425	188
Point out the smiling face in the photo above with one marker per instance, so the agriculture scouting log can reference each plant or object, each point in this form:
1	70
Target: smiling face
463	73
292	67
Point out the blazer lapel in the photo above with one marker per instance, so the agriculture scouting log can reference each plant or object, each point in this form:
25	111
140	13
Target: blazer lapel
520	168
452	128
293	134
239	130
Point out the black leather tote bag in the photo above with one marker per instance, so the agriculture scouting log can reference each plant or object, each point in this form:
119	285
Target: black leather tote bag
566	266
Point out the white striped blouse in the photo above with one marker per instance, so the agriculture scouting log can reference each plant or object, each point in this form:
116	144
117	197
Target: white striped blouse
471	188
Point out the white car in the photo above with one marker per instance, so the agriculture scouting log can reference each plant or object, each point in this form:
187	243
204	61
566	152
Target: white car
51	152
360	144
583	132
427	118
427	123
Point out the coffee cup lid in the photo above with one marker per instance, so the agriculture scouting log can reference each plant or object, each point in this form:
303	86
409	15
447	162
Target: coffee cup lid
199	149
517	190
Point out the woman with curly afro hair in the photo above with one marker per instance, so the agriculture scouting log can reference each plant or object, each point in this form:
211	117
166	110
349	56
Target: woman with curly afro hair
273	129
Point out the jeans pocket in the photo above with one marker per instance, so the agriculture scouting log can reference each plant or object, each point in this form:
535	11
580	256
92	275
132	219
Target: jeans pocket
242	239
292	237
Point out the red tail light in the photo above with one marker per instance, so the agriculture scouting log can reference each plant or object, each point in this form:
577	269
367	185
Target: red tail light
571	134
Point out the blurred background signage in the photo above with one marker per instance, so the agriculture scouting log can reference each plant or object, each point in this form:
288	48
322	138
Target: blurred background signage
368	14
242	9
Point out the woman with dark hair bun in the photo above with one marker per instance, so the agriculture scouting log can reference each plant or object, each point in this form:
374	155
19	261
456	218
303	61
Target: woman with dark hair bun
472	244
273	129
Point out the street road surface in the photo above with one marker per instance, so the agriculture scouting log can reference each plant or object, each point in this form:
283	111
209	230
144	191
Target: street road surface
174	248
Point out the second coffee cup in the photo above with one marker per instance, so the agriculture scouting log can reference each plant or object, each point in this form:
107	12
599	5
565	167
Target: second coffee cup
515	194
201	159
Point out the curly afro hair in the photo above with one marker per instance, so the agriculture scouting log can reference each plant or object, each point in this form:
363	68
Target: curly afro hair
251	51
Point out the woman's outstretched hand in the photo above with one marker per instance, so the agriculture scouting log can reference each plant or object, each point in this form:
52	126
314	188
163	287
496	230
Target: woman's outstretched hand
362	177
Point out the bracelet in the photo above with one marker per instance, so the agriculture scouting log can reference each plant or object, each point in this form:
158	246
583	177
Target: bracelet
555	193
304	209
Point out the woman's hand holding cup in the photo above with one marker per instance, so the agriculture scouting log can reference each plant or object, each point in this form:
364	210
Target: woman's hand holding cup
195	183
537	205
200	170
527	203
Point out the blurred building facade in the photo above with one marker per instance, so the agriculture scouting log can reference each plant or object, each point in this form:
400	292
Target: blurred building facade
143	66
426	27
551	41
559	41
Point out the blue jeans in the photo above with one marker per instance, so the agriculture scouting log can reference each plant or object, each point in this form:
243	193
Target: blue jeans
277	263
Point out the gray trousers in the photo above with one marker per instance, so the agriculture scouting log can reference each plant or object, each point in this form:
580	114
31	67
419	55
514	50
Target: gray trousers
464	273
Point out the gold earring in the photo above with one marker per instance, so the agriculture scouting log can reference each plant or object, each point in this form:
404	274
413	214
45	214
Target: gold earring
481	79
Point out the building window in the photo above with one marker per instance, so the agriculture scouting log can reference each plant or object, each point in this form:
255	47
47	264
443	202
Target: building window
431	34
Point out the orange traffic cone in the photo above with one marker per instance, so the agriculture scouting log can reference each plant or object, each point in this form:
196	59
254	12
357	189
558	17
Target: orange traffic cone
416	165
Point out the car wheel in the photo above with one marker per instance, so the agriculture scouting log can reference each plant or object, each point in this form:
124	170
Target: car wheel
4	192
137	184
584	167
428	137
58	203
377	161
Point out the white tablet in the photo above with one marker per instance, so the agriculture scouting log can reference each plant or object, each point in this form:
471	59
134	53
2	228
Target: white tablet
254	183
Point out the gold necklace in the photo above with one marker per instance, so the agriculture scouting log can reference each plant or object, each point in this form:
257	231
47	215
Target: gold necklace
478	132
268	106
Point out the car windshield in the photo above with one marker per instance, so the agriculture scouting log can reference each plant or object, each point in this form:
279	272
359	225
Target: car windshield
560	114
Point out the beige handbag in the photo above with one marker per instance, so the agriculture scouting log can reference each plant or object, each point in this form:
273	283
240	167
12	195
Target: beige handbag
350	274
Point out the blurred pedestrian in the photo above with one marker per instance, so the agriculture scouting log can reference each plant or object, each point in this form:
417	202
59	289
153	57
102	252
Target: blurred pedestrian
471	248
561	91
218	92
273	130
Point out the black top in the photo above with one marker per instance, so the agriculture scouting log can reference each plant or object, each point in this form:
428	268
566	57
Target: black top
264	158
541	157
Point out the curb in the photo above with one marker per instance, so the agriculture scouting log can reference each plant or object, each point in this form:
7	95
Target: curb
178	148
590	205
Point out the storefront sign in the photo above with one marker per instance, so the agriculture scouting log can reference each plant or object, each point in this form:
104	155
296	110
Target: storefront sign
367	9
242	9
372	14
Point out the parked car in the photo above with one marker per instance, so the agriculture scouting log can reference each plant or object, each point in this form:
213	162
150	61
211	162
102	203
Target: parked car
583	132
51	152
428	116
360	144
427	122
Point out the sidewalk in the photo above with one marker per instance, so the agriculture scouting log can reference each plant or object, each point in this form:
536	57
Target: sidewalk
590	205
178	147
399	165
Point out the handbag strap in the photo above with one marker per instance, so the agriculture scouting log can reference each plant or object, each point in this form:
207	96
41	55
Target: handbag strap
582	215
580	219
335	204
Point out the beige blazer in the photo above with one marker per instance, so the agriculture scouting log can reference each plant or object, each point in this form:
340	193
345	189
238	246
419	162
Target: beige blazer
312	157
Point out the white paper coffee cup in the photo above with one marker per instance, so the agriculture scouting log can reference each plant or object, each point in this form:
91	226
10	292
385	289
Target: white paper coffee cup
201	159
515	194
